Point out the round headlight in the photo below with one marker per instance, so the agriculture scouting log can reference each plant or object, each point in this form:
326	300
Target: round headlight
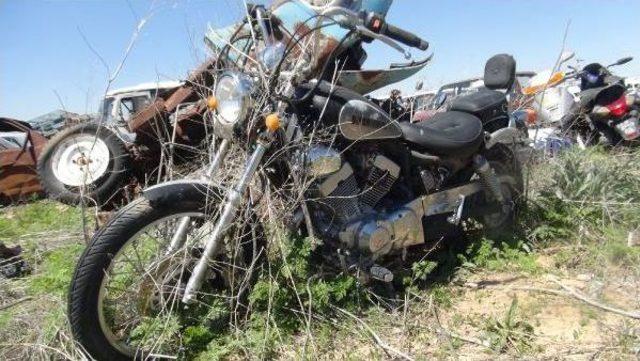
233	94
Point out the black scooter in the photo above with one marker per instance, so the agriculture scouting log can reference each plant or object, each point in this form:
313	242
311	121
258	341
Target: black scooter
604	110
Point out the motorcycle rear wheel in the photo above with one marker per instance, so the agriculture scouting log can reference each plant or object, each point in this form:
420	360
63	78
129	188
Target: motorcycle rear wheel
120	315
504	162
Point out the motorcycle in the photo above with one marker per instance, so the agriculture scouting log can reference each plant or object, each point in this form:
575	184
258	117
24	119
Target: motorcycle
288	97
604	108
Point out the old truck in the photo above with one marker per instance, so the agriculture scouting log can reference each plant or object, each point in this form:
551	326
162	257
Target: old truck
99	161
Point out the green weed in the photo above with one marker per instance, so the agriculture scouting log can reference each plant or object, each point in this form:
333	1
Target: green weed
55	271
510	332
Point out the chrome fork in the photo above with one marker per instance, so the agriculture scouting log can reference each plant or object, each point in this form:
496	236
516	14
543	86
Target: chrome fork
179	238
213	244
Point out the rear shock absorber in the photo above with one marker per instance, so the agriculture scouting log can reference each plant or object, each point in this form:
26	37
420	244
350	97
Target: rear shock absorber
489	180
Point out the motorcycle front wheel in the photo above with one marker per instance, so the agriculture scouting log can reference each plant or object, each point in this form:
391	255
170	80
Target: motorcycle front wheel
125	295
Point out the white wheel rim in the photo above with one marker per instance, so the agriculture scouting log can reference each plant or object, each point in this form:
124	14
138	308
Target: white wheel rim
80	160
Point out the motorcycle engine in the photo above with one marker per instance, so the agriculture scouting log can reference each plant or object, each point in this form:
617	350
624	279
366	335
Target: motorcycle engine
351	209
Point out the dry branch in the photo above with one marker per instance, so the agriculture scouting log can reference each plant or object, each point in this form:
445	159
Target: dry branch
581	297
388	349
566	292
15	303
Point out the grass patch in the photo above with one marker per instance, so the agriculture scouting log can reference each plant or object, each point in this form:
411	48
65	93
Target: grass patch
583	195
55	271
38	217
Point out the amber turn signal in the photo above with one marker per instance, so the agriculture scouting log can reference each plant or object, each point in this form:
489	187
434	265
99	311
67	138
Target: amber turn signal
272	121
212	103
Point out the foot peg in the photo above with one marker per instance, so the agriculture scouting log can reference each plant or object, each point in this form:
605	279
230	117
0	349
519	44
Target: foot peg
381	274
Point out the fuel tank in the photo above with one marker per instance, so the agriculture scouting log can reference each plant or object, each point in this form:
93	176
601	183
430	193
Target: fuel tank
362	120
357	118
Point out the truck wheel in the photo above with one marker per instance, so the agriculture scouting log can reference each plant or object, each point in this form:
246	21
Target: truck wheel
85	160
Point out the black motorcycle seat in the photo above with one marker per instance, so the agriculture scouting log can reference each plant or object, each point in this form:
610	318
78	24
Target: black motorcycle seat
605	94
448	133
478	102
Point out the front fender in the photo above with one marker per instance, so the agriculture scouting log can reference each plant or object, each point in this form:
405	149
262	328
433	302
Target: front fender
184	190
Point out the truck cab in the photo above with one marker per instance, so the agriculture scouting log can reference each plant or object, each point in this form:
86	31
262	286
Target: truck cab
120	105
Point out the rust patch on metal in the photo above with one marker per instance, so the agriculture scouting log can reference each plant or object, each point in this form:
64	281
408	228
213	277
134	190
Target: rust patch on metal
18	174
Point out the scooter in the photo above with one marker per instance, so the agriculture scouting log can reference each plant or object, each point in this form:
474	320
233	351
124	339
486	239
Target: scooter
604	108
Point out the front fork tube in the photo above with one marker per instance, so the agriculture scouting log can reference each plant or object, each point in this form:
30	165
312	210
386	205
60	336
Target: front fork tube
227	217
178	239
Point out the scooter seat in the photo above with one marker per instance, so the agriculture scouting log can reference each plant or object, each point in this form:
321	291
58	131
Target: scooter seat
448	133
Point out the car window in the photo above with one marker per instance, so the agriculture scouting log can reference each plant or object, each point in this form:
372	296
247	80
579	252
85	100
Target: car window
5	145
11	140
126	109
140	103
107	108
130	106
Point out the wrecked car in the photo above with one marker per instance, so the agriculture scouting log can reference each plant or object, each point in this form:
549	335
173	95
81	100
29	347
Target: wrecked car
20	146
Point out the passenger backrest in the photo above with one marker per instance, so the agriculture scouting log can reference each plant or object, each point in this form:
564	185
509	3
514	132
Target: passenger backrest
500	72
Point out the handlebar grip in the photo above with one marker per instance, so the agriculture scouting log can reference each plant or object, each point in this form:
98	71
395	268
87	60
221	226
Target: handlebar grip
405	37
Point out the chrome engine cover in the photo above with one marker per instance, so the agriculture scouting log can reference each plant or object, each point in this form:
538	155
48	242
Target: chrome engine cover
394	231
339	193
322	161
351	207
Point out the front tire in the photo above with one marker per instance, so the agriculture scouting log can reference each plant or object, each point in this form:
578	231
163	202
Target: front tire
85	160
154	291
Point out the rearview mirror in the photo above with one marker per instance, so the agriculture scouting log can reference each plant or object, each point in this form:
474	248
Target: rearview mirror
566	56
623	60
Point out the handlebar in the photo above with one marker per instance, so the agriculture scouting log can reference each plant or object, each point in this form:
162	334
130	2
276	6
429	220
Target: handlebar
405	37
378	25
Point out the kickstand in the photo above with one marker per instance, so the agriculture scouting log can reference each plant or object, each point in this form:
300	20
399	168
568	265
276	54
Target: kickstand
456	217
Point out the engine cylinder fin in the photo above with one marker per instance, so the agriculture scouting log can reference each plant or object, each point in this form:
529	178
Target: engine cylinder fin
340	194
382	176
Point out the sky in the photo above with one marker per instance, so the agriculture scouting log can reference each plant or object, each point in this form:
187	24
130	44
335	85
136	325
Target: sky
59	54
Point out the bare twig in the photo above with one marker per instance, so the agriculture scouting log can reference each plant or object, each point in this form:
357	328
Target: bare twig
593	303
388	349
15	303
443	331
457	336
568	292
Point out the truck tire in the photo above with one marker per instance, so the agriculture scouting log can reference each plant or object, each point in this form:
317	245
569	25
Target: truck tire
86	160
